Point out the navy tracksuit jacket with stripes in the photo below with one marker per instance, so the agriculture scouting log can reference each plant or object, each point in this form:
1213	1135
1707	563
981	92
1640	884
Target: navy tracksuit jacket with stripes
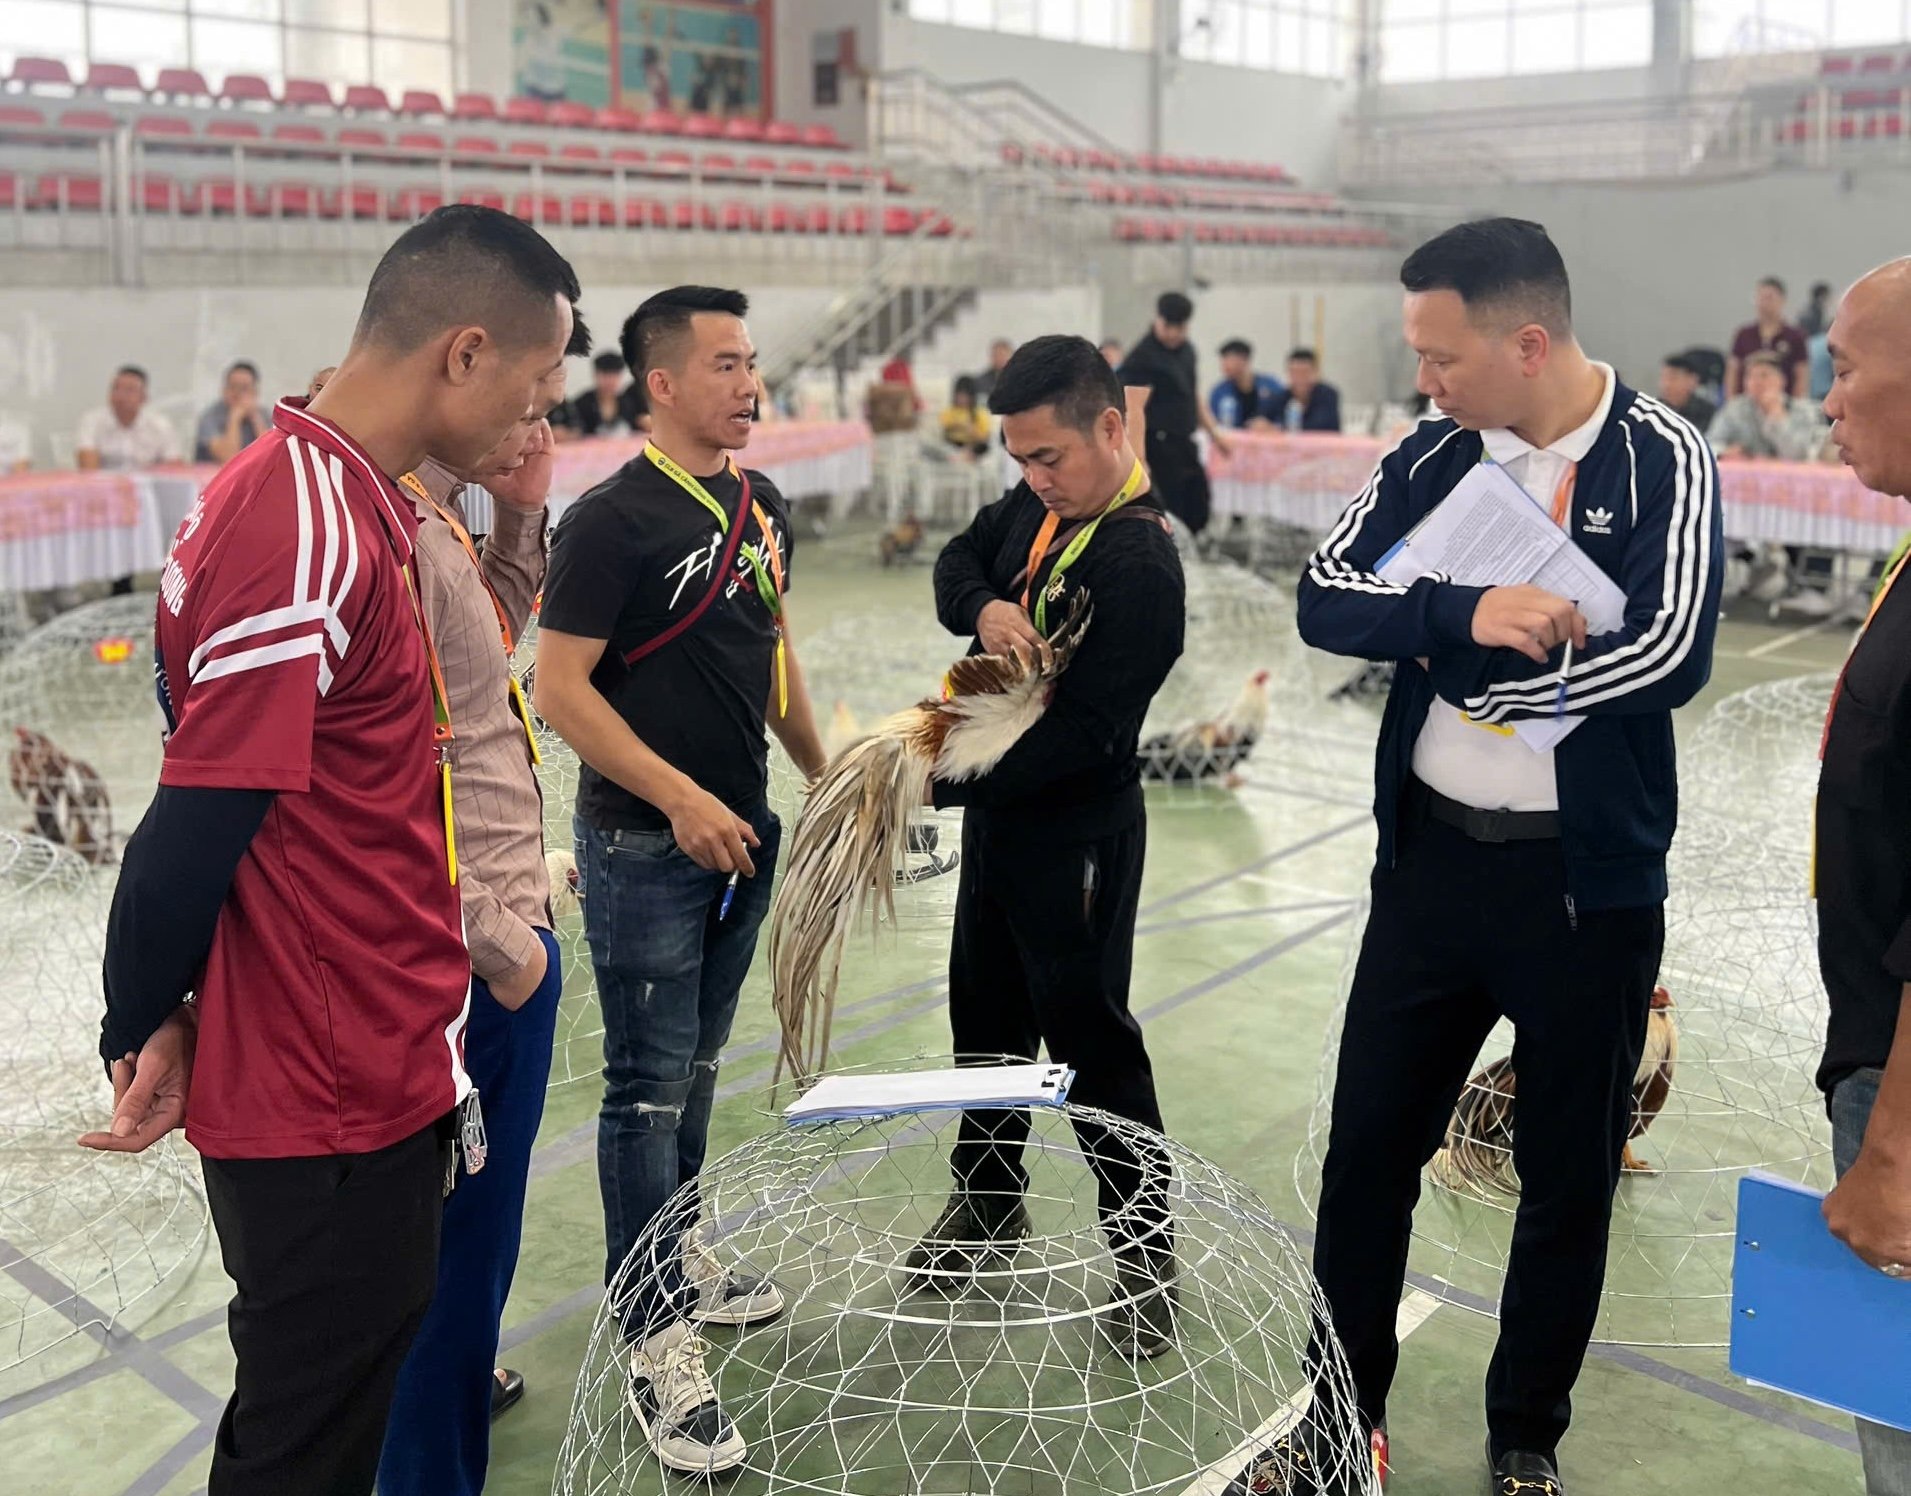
1646	510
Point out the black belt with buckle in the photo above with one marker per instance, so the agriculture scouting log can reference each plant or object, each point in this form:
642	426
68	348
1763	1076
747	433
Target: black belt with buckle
1492	825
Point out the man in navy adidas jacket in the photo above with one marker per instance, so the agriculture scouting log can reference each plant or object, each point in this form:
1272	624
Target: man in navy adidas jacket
1510	882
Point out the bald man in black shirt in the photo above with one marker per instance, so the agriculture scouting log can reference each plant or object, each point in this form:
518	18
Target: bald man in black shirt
1164	362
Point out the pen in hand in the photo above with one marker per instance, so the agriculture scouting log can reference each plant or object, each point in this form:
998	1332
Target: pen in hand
730	888
1565	669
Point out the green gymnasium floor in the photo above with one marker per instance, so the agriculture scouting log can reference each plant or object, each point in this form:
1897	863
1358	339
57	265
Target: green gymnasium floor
1247	909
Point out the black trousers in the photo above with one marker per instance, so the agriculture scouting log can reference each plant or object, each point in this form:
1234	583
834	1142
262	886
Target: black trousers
1043	949
1175	469
1461	933
335	1259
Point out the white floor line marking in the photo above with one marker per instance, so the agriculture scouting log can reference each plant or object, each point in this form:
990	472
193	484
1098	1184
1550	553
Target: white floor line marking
1773	646
1415	1310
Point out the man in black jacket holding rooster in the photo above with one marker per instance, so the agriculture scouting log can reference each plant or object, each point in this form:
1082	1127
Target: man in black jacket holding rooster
1053	840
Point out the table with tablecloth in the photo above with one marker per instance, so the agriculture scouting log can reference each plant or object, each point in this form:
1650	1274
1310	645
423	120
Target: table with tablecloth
63	529
1306	480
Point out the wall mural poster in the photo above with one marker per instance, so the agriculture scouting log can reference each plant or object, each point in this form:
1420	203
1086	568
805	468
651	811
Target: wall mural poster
562	50
690	58
693	58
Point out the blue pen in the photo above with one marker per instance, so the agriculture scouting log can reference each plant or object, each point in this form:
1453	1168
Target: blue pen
1565	669
730	892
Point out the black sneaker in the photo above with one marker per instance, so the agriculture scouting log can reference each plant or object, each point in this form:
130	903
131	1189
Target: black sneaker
1523	1472
972	1234
1139	1320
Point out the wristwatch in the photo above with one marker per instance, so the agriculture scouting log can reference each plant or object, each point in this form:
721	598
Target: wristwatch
1896	1270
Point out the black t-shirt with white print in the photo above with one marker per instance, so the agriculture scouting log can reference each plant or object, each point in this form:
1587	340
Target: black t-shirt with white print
628	560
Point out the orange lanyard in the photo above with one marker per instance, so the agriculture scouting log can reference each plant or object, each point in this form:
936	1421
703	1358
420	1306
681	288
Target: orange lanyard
1563	495
1045	536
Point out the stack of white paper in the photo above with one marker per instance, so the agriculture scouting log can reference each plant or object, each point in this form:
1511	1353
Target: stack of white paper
1489	532
885	1095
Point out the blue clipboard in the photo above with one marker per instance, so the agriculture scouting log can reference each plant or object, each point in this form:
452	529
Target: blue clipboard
1809	1317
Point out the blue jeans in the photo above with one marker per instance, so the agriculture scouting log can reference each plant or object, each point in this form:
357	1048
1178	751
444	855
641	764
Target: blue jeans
668	973
438	1441
1886	1451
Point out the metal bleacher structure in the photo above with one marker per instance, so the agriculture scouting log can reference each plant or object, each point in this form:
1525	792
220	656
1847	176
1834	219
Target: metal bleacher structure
108	178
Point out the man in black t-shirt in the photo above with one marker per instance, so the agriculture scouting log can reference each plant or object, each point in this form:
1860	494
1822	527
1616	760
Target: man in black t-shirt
1863	829
662	655
609	407
1164	361
1053	837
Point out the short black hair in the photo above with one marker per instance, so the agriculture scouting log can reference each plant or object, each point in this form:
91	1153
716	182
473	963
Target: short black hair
1062	370
1821	288
243	364
964	385
580	343
1174	309
1774	282
461	266
1305	355
1504	265
1237	345
134	370
652	332
1685	363
609	363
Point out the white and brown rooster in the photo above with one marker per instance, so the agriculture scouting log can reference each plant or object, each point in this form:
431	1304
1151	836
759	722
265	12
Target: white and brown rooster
1477	1158
67	797
849	846
1212	749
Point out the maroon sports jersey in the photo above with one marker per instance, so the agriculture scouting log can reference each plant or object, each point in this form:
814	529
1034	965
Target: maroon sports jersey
333	1001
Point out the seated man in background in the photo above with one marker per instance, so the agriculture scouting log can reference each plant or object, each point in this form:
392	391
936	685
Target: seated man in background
965	424
1113	351
1679	378
1312	404
1243	398
1765	421
123	435
610	407
234	421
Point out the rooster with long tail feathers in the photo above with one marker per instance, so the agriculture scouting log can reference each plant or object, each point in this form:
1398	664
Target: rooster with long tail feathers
849	845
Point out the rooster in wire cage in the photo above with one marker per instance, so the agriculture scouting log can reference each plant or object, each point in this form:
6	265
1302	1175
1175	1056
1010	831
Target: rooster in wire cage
67	797
1211	749
1477	1158
849	846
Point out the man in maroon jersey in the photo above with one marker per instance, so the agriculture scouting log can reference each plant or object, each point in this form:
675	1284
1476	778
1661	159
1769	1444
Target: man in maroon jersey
293	875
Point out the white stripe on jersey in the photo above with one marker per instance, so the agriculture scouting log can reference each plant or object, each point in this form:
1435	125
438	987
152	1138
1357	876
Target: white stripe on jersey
262	655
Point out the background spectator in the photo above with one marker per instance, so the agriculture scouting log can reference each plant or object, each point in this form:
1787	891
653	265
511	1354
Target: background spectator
234	421
612	406
1112	350
123	435
1679	379
1000	352
1768	332
1815	320
1244	398
1312	403
965	423
1765	421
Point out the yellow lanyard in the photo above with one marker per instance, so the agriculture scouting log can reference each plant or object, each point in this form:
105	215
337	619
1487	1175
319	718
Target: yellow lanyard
519	707
1045	535
769	587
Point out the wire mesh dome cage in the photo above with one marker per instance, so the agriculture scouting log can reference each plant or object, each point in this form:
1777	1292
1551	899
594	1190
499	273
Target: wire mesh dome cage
868	1384
85	1238
1726	1083
82	725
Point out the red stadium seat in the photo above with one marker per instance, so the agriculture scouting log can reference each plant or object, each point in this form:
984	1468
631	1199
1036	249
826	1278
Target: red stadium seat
740	218
543	208
693	215
113	77
181	83
155	192
842	170
748	130
702	126
779	219
781	132
74	191
41	72
585	153
759	166
628	155
624	121
716	164
1836	67
532	150
1012	154
298	135
526	112
246	88
645	213
474	106
365	202
591	209
569	116
92	120
475	145
420	102
800	166
361	138
163	127
1879	62
367	98
824	138
675	161
1889	125
813	219
414	202
289	200
306	93
233	129
425	142
22	117
217	197
853	221
661	122
9	190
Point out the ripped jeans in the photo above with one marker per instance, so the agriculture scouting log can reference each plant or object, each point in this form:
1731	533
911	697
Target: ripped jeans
668	973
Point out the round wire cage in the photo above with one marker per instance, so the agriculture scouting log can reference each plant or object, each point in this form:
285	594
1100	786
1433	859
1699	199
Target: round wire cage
867	1384
85	1237
1748	1015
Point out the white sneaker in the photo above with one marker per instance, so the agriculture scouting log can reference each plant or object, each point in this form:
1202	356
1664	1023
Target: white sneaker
724	1297
675	1402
